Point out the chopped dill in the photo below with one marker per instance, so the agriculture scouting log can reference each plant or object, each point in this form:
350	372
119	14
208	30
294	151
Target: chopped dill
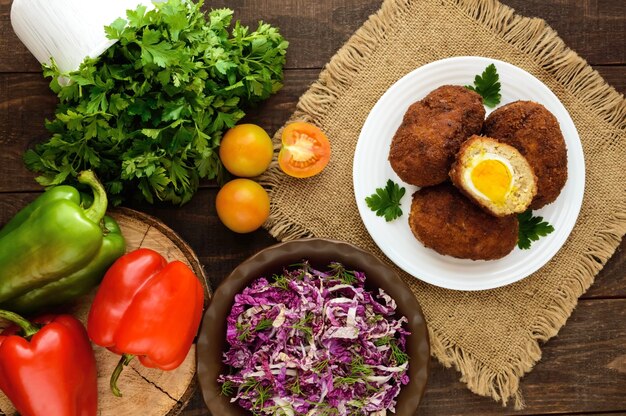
243	331
295	386
304	268
227	388
280	281
347	277
358	372
397	354
263	324
400	357
304	324
264	393
321	366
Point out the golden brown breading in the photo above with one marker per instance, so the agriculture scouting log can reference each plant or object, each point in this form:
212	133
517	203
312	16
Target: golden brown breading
535	132
423	148
449	223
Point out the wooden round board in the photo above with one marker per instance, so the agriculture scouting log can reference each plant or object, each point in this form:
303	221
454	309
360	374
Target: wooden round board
146	392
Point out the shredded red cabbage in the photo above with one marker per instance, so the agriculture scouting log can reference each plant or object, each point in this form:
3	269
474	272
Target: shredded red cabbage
314	343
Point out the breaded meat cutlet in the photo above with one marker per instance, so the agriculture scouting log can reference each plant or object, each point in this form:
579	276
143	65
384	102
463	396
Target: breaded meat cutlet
494	175
449	223
535	132
424	146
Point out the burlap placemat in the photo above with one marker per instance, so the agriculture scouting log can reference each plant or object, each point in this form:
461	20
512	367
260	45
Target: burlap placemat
492	337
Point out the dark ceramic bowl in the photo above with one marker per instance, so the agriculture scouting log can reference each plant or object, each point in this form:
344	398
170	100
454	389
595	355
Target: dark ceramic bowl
319	252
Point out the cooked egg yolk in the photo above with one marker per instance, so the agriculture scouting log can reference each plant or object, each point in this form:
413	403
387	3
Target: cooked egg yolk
493	179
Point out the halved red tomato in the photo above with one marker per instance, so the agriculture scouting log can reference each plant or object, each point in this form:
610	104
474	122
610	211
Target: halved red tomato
305	151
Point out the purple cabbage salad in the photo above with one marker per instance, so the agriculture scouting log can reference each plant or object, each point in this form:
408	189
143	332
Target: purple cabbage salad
309	342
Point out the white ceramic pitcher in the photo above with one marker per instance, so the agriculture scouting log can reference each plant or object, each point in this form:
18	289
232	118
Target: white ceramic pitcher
67	30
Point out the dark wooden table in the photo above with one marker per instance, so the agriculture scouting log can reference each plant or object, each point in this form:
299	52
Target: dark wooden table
583	369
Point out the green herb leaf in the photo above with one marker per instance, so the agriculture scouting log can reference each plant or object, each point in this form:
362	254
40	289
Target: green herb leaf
386	201
359	371
243	331
531	229
295	386
136	17
304	324
149	113
488	86
228	388
280	281
347	277
263	325
115	30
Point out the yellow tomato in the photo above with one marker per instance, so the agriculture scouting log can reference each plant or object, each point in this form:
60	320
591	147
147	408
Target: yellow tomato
246	150
242	205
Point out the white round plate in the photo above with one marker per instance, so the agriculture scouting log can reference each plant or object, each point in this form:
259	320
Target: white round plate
372	170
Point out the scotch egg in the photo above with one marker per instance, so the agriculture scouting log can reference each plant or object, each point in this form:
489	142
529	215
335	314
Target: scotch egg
494	175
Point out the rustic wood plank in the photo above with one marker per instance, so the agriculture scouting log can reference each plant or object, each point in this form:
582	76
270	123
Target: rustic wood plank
614	76
11	203
611	281
25	102
274	112
582	370
14	57
315	30
593	28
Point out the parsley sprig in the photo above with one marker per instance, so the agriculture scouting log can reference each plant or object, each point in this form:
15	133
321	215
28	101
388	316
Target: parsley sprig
149	113
531	229
386	201
488	86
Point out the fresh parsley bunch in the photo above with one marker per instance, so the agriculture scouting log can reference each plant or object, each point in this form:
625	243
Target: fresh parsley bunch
150	112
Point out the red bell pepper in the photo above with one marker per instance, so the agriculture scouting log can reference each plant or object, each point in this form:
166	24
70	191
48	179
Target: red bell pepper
148	308
49	370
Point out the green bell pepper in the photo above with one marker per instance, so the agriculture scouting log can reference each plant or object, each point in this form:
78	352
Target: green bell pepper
53	194
54	250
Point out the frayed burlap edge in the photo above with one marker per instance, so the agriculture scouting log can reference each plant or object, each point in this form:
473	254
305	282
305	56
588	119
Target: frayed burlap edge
542	44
